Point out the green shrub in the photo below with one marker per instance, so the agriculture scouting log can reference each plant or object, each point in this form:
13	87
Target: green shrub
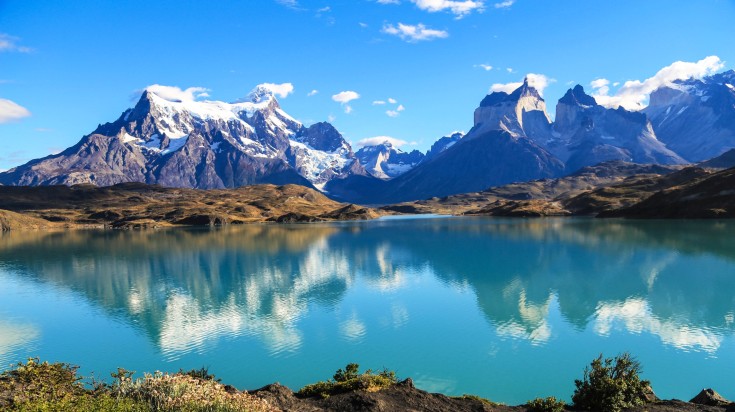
201	373
611	385
348	380
549	404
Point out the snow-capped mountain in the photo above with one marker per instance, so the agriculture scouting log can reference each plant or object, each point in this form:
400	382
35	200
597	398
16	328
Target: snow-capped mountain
385	161
586	133
695	118
200	144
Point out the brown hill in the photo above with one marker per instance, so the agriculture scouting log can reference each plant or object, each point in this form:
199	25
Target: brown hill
140	205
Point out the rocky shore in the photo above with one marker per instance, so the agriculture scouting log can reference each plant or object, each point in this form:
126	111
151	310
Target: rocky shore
403	396
612	385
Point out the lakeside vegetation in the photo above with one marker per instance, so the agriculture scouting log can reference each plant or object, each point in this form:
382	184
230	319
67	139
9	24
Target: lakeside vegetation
608	384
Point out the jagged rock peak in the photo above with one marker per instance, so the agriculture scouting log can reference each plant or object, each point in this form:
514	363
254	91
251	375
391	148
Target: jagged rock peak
525	90
578	97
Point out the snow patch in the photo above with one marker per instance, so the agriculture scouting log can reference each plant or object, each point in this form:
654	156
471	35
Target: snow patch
682	110
126	138
175	144
731	87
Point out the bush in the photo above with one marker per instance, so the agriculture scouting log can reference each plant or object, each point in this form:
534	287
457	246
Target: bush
549	404
611	385
163	392
42	386
348	380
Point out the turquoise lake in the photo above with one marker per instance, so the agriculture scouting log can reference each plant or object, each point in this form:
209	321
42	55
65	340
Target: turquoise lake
508	309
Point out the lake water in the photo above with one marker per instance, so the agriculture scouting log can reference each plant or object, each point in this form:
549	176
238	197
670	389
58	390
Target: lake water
505	309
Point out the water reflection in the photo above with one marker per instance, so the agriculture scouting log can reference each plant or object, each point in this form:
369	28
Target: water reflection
14	336
187	289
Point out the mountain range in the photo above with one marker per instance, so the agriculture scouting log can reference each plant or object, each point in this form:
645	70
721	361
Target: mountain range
211	144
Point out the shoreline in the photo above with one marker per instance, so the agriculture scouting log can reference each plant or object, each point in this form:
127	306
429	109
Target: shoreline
30	385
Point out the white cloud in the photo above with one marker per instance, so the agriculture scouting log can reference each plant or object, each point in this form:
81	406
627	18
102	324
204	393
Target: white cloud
11	111
459	8
345	97
509	69
373	141
633	95
415	33
400	108
363	25
392	100
176	94
389	1
9	43
504	4
537	81
331	118
392	113
378	102
485	67
324	9
281	90
312	93
600	86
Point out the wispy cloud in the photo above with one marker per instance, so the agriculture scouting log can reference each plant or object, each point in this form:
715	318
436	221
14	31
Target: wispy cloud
176	94
389	1
412	34
633	94
485	67
292	4
458	8
504	4
344	98
374	141
11	111
378	102
312	93
9	43
537	81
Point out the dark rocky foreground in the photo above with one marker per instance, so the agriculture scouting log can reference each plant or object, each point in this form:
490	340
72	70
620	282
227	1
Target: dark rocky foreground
405	397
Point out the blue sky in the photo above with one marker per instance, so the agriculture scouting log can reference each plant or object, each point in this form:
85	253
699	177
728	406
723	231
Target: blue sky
67	66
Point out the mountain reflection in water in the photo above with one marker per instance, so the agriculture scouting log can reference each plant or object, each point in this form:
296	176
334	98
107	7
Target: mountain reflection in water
187	289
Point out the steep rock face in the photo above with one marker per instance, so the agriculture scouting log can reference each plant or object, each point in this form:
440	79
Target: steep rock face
586	133
199	144
696	118
385	161
443	144
521	113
